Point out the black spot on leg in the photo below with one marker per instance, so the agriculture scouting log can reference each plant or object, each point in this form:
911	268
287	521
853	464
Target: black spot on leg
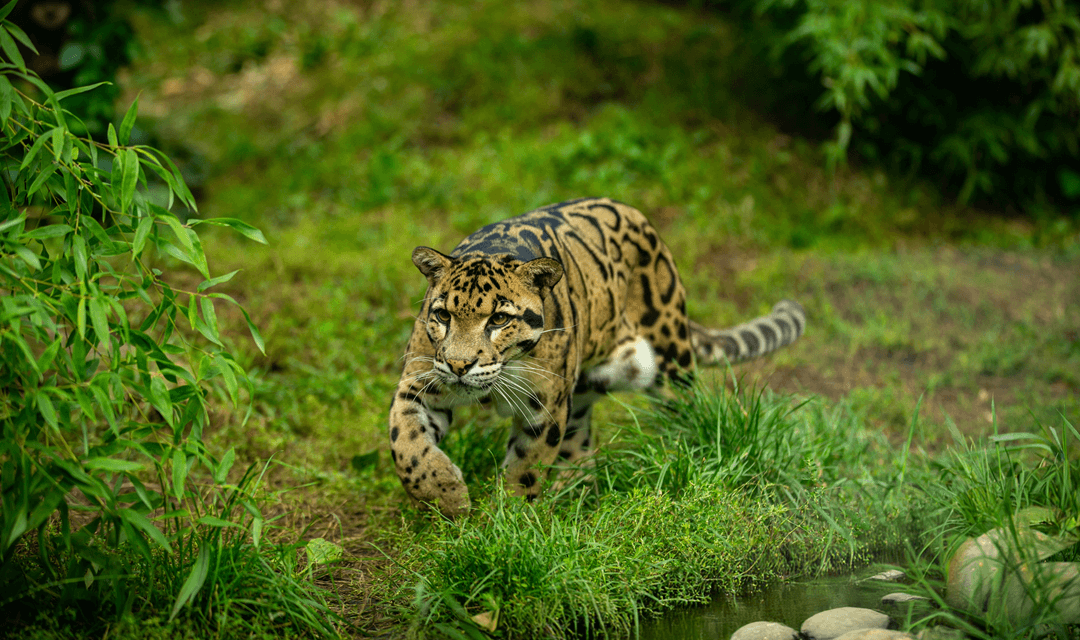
520	451
527	479
394	434
533	430
565	455
554	436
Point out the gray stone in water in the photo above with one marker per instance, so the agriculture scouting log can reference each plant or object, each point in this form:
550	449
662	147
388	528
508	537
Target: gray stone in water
875	634
892	575
764	631
894	599
833	623
997	572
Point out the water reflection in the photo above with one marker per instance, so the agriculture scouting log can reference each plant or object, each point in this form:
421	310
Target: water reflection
789	604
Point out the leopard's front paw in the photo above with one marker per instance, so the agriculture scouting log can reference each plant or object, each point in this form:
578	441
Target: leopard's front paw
439	485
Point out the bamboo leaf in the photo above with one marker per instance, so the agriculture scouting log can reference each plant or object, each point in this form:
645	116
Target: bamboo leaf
179	231
80	318
255	335
7	224
34	149
221	473
48	355
242	227
216	281
78	249
99	318
210	316
179	473
57	143
28	256
21	36
7	44
159	397
198	256
142	232
194	581
45	406
142	523
213	521
225	367
50	231
129	176
6	9
129	121
192	311
67	93
114	465
47	171
7	96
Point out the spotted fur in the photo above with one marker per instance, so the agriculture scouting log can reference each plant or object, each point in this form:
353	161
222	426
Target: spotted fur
542	315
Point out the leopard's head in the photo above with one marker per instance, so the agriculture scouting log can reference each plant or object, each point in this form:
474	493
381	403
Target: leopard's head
482	312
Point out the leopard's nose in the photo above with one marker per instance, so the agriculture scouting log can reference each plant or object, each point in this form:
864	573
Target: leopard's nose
460	367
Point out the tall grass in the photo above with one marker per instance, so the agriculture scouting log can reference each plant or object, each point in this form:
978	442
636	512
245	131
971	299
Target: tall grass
1017	483
231	576
707	491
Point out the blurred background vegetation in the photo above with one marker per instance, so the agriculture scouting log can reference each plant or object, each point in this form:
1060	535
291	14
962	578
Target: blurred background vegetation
906	170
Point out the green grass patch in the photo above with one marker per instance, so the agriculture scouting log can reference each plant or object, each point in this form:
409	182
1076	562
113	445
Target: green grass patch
710	491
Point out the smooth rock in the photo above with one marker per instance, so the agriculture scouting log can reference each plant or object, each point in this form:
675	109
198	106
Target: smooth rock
875	634
892	575
997	573
764	631
836	622
894	599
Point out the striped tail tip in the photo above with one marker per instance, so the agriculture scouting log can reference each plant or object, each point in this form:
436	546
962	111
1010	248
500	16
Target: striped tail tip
784	324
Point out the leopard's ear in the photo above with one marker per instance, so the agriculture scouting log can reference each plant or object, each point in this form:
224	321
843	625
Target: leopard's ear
541	273
431	263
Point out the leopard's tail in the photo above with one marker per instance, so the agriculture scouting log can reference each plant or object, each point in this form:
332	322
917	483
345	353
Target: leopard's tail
751	339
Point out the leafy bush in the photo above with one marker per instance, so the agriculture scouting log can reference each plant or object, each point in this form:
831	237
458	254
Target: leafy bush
109	495
984	95
74	44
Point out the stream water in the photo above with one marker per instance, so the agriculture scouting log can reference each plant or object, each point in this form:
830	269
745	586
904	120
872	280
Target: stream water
789	604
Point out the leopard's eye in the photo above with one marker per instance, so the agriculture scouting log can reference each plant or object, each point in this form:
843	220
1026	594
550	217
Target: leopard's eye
442	315
498	319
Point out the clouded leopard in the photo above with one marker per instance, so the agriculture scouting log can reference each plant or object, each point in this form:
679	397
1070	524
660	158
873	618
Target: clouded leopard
542	315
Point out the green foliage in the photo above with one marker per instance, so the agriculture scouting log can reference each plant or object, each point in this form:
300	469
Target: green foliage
712	491
77	44
1017	481
985	95
109	494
